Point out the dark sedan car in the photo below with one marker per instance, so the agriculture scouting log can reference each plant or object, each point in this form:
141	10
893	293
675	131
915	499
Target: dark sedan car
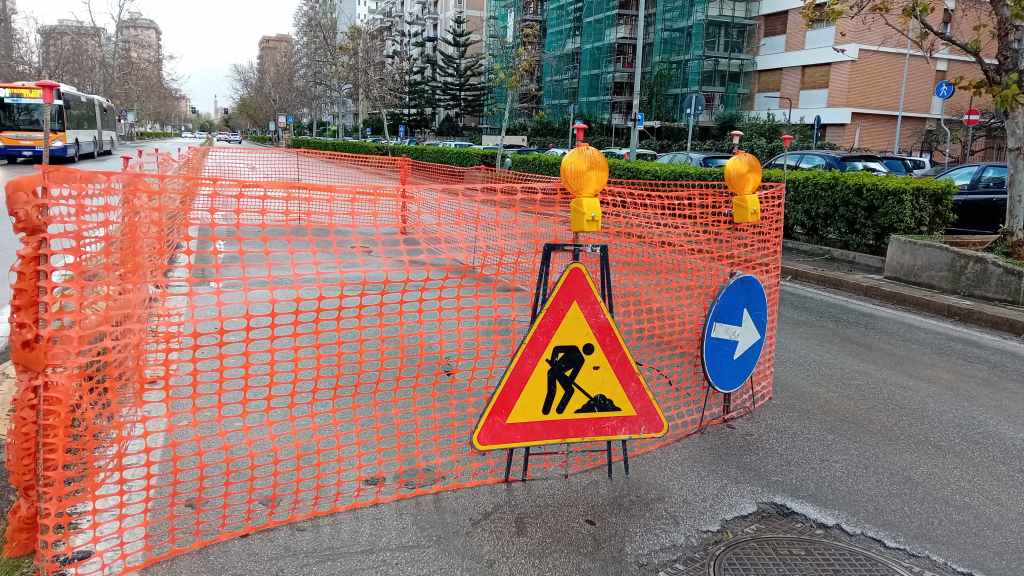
705	159
980	201
829	160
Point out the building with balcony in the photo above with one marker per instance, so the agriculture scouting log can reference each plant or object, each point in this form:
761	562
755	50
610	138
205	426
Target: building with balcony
850	73
590	56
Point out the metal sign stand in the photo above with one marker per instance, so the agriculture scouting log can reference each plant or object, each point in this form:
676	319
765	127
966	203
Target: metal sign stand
540	296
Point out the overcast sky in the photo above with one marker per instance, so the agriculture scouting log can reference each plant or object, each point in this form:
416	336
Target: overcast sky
205	36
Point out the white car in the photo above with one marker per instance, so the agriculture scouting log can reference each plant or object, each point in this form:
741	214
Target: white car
234	138
456	144
187	135
556	152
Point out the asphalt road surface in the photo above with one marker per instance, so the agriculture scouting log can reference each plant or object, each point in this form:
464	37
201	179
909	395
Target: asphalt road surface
905	428
9	244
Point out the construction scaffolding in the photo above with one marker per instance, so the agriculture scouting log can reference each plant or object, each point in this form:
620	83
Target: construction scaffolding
590	57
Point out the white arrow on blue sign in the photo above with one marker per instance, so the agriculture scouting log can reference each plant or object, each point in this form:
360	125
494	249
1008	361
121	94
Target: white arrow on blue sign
734	333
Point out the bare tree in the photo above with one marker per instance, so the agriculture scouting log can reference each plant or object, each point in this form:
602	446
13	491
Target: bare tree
362	65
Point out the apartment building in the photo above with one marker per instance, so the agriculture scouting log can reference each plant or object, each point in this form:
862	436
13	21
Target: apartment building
589	55
850	73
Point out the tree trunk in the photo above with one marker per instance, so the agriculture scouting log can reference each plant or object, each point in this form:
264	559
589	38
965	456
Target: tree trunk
504	126
1015	181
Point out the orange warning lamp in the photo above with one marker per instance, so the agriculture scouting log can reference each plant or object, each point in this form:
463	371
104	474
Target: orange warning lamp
48	87
743	177
584	173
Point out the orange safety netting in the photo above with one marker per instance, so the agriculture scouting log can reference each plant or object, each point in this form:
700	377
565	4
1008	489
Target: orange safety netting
242	338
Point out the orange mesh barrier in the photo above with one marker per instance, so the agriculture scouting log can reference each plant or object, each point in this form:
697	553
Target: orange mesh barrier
201	356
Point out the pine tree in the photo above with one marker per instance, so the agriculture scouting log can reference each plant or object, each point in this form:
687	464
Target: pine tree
460	68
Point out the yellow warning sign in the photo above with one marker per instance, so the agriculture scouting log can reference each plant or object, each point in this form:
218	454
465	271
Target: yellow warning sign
572	378
574	374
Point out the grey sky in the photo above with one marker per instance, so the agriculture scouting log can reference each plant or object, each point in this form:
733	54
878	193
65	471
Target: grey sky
205	36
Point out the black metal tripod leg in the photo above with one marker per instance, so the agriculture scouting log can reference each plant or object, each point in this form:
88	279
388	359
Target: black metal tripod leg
526	463
609	456
508	463
625	458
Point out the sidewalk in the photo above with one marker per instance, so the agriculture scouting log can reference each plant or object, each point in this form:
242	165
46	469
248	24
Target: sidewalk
861	275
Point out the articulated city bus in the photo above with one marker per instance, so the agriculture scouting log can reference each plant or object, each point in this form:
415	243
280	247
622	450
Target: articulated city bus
80	124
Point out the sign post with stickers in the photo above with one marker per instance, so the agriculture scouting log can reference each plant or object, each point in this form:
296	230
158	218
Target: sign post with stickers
572	378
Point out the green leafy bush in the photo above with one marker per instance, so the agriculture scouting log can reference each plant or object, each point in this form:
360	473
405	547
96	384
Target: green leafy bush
859	211
854	211
259	139
154	135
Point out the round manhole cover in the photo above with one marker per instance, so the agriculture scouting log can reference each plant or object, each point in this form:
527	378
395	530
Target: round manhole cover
797	556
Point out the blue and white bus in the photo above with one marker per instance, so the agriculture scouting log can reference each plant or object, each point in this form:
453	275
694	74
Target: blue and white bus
80	124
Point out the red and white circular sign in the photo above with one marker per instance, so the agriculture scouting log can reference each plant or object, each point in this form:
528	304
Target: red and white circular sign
973	117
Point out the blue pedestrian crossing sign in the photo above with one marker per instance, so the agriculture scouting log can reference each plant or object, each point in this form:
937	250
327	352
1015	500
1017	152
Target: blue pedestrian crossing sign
944	89
734	333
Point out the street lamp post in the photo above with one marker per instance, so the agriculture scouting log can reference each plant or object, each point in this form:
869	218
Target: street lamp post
903	96
634	136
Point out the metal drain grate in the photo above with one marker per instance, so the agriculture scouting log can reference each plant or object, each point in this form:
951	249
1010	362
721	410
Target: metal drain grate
797	556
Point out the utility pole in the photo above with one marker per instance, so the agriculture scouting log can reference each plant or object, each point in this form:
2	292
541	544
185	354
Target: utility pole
634	137
903	96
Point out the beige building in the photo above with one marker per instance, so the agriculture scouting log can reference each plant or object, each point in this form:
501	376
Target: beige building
271	49
72	52
850	73
141	43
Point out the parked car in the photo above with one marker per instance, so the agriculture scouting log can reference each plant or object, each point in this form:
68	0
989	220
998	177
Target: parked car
222	136
829	160
234	138
556	152
187	134
455	144
481	147
980	201
622	153
898	165
703	159
528	150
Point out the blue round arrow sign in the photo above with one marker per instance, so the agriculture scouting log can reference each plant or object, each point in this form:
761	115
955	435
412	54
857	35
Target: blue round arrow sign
734	333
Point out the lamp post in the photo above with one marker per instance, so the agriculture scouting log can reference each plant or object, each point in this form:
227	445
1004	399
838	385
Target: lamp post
634	135
48	87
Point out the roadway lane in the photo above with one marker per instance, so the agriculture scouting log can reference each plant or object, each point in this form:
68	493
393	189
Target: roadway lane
905	428
9	244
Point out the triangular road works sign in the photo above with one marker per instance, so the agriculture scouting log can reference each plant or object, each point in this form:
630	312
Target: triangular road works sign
572	378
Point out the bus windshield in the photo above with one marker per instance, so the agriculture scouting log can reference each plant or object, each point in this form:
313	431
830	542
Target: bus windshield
29	117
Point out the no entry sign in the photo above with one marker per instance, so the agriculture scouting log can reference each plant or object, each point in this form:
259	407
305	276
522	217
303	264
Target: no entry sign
972	117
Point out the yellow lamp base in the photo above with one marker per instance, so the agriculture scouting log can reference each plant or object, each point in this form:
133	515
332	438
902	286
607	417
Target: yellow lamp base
746	209
585	214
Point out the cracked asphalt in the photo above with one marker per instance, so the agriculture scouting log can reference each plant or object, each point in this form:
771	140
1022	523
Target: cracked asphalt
900	427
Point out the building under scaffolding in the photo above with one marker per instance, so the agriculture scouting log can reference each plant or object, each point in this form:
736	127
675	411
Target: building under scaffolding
589	56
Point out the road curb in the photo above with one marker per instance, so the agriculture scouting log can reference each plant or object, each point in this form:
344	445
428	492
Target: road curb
995	317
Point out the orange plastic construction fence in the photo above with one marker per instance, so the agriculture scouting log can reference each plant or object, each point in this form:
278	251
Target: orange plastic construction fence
235	339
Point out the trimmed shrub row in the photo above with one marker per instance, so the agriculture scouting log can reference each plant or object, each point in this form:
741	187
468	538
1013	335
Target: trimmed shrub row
259	139
850	210
154	135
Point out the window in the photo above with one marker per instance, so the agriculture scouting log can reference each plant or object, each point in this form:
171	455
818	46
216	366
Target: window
961	176
815	77
947	20
775	24
821	18
790	160
993	177
769	80
813	162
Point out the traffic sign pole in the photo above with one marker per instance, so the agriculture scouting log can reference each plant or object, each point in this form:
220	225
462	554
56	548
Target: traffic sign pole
689	131
944	90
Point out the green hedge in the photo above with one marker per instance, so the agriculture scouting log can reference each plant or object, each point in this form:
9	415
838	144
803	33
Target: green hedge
154	135
855	211
259	139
